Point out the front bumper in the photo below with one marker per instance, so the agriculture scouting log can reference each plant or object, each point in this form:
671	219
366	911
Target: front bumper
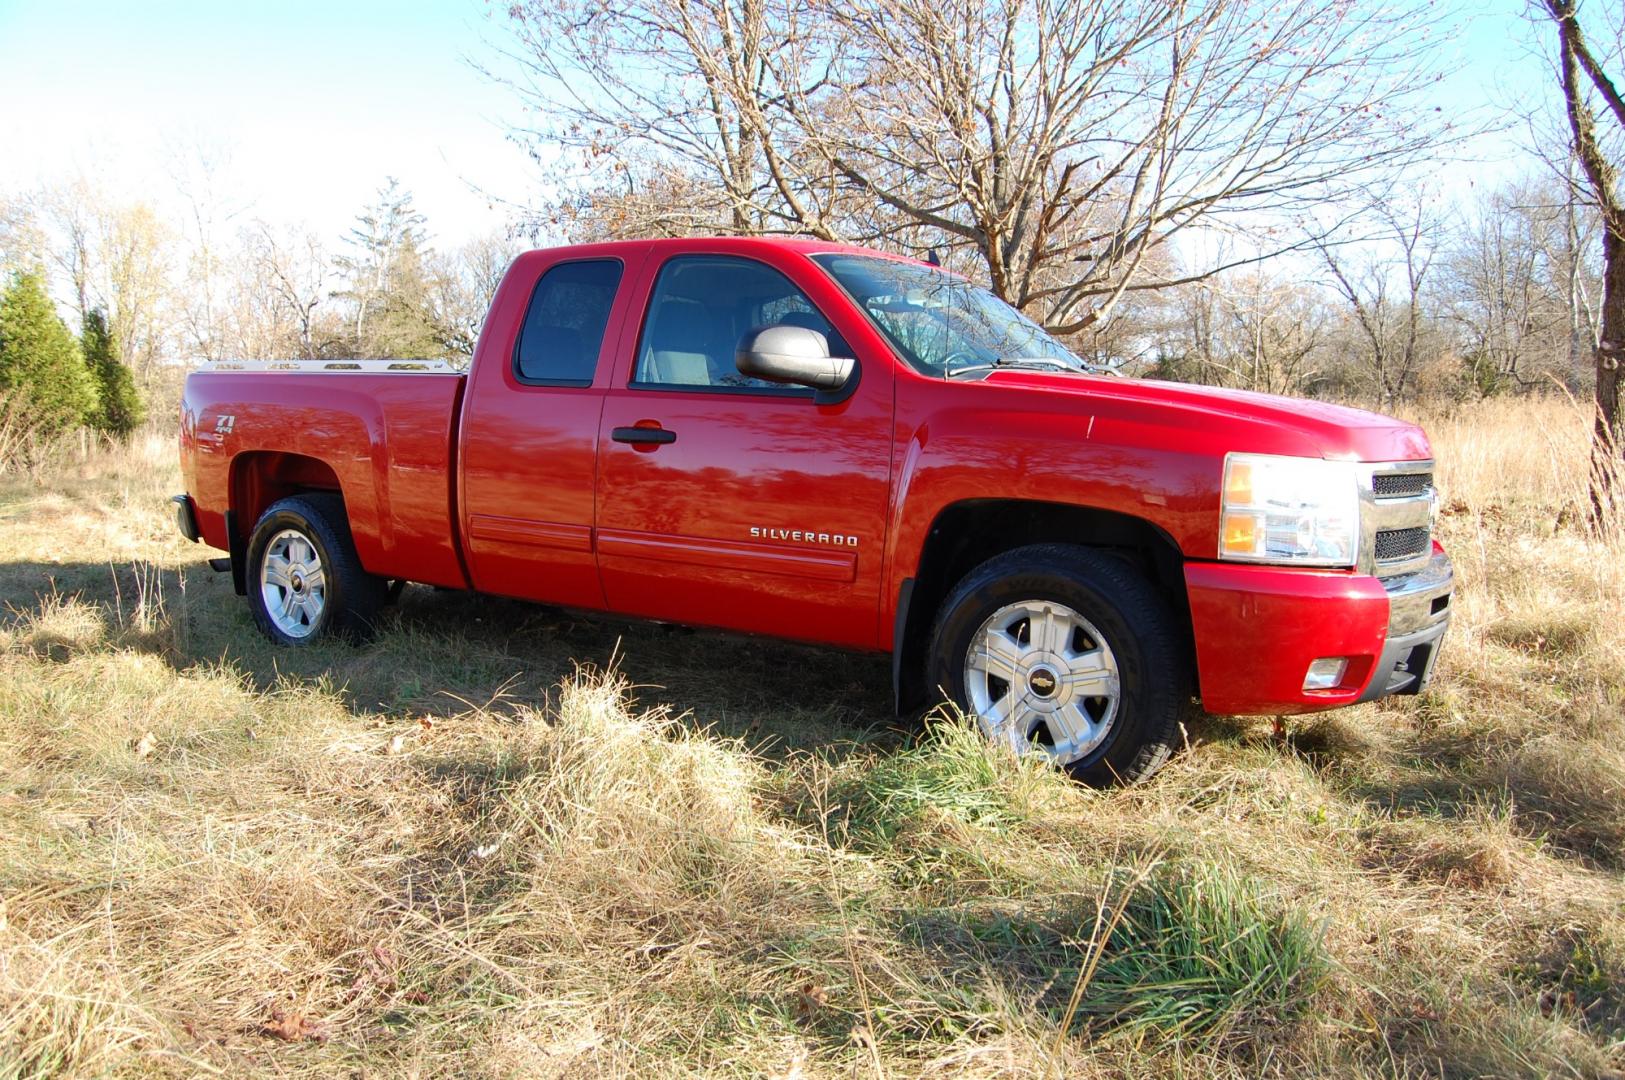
1418	616
1258	628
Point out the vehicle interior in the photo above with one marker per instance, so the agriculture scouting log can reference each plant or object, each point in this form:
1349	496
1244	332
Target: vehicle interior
702	306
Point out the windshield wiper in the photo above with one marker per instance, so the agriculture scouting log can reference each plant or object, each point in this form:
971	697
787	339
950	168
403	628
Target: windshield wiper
1020	363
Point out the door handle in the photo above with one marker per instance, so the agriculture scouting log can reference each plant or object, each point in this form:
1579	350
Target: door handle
645	436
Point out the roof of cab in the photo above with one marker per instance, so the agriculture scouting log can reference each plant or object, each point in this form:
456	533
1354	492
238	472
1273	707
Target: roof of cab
740	244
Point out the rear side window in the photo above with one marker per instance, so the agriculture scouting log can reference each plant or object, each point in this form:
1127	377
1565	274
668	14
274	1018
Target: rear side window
564	328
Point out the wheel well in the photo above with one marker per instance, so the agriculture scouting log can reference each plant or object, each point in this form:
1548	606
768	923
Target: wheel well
967	534
260	478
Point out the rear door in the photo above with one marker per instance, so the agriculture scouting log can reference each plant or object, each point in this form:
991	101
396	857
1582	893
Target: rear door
530	426
727	501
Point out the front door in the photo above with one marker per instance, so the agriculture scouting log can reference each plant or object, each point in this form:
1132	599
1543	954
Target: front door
727	501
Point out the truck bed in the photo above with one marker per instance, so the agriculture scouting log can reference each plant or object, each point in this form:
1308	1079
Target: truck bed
382	433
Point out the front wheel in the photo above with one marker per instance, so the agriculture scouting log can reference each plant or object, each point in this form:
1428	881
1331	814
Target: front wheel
305	581
1067	651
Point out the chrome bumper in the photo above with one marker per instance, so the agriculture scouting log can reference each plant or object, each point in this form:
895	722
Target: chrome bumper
1418	616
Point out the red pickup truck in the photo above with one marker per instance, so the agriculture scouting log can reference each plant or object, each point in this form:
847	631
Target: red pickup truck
835	445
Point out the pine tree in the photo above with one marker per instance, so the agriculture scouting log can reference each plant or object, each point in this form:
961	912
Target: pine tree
119	409
403	326
388	283
39	358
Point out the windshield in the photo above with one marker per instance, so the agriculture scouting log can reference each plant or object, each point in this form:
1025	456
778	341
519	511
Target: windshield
942	324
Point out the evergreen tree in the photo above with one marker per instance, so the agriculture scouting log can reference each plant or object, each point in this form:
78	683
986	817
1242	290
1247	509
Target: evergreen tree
403	326
39	358
119	408
388	282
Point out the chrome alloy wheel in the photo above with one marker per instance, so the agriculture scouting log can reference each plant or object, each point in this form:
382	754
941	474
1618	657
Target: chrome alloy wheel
1039	675
293	583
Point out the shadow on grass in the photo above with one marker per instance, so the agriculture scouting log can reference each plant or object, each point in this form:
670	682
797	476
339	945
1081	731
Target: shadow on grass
443	652
1559	800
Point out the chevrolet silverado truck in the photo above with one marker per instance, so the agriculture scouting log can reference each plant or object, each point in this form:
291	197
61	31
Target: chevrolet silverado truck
839	446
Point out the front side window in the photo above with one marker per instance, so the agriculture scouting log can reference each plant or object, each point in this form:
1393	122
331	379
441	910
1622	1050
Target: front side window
564	327
701	306
942	324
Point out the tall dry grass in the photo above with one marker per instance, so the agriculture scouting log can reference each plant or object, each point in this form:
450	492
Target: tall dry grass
458	853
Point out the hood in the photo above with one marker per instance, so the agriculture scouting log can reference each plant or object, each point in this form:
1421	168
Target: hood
1277	424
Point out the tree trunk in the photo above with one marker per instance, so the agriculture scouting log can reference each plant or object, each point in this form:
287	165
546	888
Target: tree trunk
1610	422
1571	253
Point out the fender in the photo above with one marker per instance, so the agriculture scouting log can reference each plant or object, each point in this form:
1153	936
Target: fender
1102	461
283	421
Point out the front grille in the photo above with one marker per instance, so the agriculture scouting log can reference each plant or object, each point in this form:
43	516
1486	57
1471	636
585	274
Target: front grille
1400	485
1395	544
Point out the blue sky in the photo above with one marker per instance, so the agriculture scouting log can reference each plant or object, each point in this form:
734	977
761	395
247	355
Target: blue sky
314	103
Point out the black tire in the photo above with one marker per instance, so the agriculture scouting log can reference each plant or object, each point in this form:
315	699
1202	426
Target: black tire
1129	613
352	596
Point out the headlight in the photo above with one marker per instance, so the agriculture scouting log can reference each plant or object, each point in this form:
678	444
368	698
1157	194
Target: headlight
1289	510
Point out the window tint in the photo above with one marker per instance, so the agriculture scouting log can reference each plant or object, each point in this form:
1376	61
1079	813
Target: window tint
558	345
702	305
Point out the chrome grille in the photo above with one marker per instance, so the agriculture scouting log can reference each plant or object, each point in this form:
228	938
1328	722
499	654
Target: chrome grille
1401	485
1395	544
1396	517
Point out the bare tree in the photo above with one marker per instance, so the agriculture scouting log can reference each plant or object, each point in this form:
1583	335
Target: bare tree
1585	83
1248	329
673	93
461	286
113	256
134	282
72	215
1519	288
290	274
1385	299
199	170
22	242
1064	143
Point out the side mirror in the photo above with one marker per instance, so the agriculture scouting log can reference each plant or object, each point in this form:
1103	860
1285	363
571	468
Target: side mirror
792	354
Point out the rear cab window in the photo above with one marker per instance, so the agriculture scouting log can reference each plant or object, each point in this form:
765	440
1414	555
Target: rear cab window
563	331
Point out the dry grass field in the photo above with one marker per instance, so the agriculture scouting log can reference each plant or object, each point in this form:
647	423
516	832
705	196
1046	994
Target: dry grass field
507	841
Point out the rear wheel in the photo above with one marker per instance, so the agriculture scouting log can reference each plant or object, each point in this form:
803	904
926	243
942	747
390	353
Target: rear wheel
305	579
1066	651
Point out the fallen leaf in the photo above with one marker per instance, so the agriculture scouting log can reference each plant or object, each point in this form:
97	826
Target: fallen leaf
425	723
809	999
144	747
397	744
293	1027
